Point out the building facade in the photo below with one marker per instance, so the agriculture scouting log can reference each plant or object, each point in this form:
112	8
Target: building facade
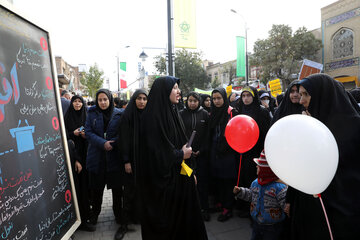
341	41
68	76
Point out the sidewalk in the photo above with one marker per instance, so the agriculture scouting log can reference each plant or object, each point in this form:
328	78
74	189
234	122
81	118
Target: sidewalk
234	229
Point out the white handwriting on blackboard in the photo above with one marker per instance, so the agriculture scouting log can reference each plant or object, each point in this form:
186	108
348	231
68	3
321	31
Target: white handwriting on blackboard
20	192
61	177
34	92
20	234
46	150
15	210
30	57
46	224
30	109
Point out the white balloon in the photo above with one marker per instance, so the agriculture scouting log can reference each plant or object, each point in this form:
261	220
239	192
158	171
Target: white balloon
302	152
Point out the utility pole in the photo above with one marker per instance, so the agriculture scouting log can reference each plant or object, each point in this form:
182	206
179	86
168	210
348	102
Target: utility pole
170	40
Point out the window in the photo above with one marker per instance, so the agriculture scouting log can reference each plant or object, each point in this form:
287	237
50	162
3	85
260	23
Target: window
343	42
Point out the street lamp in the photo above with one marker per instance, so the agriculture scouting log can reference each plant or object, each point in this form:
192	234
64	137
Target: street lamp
246	52
143	57
118	70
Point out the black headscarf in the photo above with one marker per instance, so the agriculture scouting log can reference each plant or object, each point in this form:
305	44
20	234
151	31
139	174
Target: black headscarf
252	109
330	103
219	115
75	119
107	113
356	94
130	131
286	107
203	98
196	96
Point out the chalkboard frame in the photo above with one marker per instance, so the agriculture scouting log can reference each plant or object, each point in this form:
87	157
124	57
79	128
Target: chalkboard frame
18	13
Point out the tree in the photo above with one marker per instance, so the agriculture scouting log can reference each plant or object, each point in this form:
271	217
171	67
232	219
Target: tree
230	69
188	67
281	53
92	80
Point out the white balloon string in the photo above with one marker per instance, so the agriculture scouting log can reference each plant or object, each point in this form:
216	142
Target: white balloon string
326	217
239	170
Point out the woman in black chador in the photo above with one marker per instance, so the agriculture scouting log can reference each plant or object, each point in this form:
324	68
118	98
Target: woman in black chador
129	145
326	100
171	208
250	105
75	119
196	118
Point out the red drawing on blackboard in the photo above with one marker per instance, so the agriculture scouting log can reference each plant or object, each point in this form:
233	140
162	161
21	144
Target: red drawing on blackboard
49	83
43	44
55	123
68	196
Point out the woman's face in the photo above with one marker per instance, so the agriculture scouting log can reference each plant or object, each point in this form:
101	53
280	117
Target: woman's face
193	103
103	101
304	97
294	95
247	98
207	102
141	101
217	99
77	104
175	94
232	97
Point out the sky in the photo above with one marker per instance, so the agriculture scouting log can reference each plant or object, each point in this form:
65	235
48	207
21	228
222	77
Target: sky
89	31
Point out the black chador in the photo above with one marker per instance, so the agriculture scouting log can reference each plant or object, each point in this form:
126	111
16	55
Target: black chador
171	208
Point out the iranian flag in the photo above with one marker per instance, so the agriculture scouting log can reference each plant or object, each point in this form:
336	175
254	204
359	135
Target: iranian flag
123	83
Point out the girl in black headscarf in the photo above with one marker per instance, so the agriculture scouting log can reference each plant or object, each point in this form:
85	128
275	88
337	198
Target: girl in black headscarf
196	118
206	102
326	100
102	161
224	160
250	105
290	103
171	208
75	118
129	145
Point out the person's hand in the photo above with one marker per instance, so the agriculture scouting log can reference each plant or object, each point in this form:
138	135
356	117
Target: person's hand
78	167
187	151
195	179
128	168
287	209
236	189
264	104
306	112
108	146
196	153
83	135
77	132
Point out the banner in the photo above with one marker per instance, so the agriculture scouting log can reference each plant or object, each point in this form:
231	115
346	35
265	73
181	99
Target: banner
122	75
309	67
241	57
185	23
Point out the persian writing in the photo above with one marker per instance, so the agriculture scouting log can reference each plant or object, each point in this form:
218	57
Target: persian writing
20	234
30	57
36	94
47	150
8	89
6	229
24	198
343	17
47	139
61	177
30	109
13	182
342	64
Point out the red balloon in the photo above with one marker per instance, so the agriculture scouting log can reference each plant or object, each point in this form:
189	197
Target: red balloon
242	133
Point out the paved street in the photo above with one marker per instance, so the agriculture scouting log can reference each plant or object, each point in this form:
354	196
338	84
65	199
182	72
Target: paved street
234	229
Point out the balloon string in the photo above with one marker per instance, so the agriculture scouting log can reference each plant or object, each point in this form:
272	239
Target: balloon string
239	171
326	217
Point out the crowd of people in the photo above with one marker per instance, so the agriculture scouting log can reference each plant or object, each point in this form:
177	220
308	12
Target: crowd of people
141	151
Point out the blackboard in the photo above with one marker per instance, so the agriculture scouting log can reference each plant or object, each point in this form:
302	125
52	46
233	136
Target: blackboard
37	199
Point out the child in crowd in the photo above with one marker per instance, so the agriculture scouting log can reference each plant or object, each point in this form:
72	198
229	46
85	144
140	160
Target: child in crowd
267	196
